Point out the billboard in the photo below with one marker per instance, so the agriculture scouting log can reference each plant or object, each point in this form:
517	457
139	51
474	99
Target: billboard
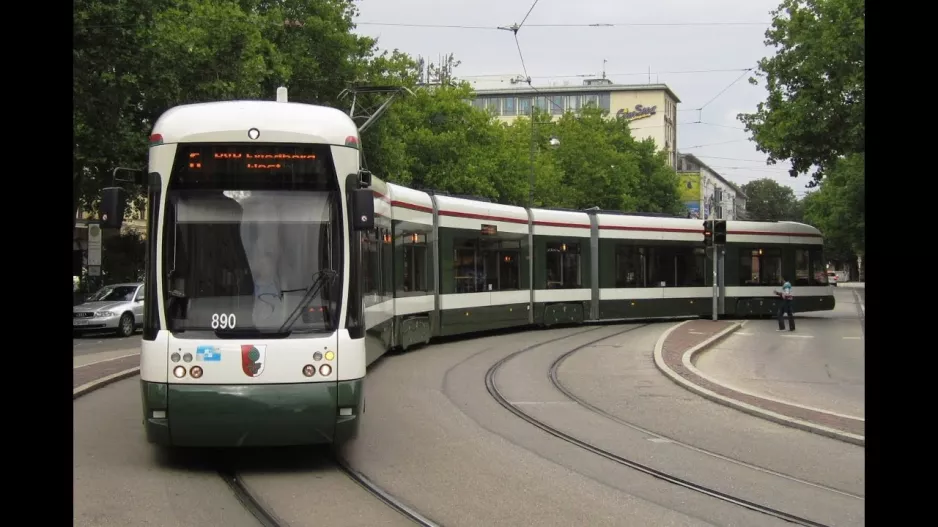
689	192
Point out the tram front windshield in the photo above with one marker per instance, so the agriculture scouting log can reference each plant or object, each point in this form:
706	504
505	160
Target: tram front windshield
251	242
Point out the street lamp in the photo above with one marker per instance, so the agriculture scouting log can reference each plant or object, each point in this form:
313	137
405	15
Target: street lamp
554	142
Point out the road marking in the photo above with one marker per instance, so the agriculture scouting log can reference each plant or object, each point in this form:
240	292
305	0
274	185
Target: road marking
743	334
798	336
542	402
106	360
852	338
696	333
659	440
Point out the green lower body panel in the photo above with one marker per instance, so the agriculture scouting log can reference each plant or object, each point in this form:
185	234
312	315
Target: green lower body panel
414	330
252	415
654	308
551	314
473	319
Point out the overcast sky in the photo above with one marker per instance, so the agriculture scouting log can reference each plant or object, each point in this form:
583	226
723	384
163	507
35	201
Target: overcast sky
696	61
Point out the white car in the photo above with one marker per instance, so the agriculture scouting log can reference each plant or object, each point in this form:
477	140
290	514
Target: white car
117	307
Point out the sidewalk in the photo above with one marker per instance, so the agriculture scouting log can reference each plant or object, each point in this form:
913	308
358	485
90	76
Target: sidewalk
82	375
673	356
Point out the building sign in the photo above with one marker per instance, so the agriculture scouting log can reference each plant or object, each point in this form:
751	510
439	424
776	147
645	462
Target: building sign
640	112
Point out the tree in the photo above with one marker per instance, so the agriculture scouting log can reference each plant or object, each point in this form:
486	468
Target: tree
838	208
602	165
133	60
815	111
769	201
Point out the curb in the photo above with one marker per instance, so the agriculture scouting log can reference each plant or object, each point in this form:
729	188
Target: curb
741	406
97	384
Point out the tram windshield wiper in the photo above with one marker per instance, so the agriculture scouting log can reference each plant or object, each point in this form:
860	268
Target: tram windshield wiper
321	278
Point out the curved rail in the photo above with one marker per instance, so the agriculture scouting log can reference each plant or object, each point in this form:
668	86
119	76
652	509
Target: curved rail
501	400
555	381
383	495
248	499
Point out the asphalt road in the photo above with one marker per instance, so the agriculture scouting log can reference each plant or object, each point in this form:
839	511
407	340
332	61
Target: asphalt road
434	437
120	479
820	365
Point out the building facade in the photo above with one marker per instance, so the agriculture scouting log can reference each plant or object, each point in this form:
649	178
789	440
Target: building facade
706	194
651	109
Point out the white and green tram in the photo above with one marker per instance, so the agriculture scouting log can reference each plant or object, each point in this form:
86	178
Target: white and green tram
249	338
278	270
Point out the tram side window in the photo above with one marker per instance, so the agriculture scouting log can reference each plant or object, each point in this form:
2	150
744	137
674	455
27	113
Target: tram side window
483	265
760	267
661	269
371	263
818	268
690	266
468	267
415	262
630	266
802	267
563	265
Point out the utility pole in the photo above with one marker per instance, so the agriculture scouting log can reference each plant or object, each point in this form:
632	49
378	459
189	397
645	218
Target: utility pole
531	181
716	259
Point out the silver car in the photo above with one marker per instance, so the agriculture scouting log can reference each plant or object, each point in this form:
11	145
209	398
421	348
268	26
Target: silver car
117	307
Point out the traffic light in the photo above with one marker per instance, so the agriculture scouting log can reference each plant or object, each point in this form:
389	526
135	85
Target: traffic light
708	232
719	232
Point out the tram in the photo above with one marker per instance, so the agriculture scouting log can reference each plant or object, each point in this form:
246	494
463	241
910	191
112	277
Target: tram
278	269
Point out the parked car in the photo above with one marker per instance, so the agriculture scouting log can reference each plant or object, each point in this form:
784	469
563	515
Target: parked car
117	307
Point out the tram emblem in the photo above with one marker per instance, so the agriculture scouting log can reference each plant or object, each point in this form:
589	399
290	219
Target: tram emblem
253	359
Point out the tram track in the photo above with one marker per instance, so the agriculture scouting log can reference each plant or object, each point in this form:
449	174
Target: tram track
253	504
555	381
493	390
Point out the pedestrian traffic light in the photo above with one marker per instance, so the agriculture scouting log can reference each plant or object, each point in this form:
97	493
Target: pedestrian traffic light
708	233
719	232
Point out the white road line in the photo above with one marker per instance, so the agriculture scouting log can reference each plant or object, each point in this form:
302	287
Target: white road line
798	336
659	440
696	333
106	360
541	402
743	334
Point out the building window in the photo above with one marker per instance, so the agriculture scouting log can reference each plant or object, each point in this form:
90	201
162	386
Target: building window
415	262
563	265
493	105
590	99
508	106
524	106
486	265
604	101
556	104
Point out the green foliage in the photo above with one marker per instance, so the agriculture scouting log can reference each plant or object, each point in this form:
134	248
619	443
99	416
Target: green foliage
769	201
815	109
838	208
135	59
436	140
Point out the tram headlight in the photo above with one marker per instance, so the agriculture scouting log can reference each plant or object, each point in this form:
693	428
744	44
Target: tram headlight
325	370
317	356
179	372
187	357
174	357
196	372
309	370
330	355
